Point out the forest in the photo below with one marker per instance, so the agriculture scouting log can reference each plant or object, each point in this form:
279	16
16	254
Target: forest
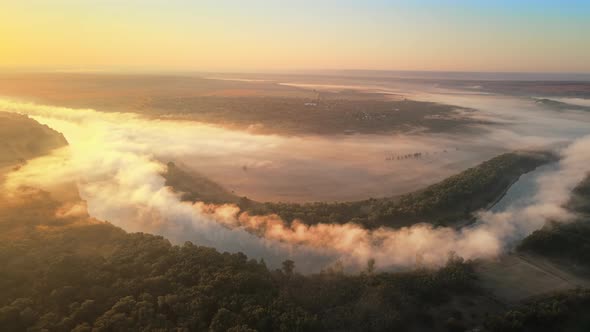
93	276
566	311
76	273
80	274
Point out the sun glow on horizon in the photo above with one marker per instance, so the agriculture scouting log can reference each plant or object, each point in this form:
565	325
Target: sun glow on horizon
261	35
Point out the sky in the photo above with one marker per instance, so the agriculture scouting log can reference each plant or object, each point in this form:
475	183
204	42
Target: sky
280	35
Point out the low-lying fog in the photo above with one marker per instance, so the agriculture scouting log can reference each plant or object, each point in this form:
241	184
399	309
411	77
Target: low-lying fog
117	159
360	166
342	167
352	167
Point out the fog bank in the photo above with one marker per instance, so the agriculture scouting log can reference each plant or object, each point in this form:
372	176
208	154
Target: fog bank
114	158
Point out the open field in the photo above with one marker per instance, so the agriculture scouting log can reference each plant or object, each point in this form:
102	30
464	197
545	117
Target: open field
255	106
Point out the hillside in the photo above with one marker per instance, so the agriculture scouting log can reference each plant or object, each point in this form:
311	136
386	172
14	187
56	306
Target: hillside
22	138
195	187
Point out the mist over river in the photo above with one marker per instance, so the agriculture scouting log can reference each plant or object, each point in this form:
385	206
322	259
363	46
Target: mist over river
351	167
117	159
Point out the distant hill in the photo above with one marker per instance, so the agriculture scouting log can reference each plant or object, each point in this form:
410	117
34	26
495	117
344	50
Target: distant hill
22	138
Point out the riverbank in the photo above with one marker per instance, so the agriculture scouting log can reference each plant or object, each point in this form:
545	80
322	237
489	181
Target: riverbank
447	203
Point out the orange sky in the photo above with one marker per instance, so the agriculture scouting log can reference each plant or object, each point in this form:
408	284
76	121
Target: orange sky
284	35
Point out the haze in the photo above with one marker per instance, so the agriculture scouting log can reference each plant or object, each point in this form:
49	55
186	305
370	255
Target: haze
259	35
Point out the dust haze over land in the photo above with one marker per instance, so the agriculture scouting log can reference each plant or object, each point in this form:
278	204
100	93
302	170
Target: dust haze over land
117	160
